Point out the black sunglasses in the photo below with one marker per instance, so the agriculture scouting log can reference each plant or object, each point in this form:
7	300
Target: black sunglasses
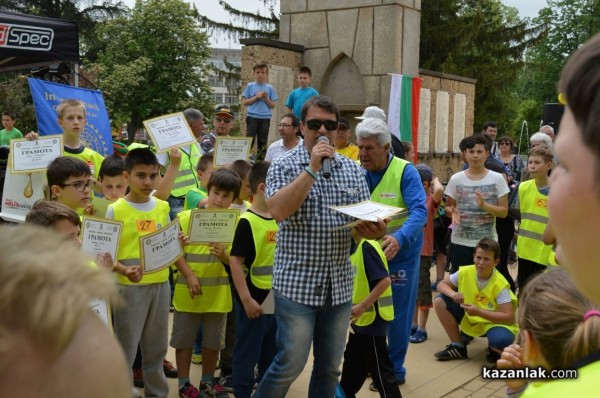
315	124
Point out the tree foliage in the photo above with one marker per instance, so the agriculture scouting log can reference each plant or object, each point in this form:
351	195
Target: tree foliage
567	25
248	24
483	40
154	62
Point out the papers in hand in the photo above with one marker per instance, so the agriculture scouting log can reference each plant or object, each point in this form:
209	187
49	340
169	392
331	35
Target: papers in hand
366	211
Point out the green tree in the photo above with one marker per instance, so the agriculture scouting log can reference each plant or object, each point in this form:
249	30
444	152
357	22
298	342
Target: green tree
567	25
483	40
248	24
154	62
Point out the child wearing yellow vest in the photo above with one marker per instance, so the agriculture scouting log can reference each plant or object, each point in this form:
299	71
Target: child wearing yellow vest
372	308
529	205
209	305
197	195
252	256
558	328
143	319
478	298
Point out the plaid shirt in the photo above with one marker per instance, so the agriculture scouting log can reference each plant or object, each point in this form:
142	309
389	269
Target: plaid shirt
311	259
207	144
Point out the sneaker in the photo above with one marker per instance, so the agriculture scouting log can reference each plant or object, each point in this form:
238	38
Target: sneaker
138	377
413	330
399	382
169	369
197	359
135	393
418	337
213	391
226	381
492	356
452	352
189	391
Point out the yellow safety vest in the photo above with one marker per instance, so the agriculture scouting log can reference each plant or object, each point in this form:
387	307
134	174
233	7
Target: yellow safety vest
263	234
388	192
385	305
216	291
135	224
484	299
534	218
200	191
587	384
187	176
92	158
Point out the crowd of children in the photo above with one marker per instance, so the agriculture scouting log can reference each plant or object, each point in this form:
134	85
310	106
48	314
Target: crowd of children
220	291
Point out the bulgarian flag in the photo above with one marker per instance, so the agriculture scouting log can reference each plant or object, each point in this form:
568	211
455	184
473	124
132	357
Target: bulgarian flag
403	112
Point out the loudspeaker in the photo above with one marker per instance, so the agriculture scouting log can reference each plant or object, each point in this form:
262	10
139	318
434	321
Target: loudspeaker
552	115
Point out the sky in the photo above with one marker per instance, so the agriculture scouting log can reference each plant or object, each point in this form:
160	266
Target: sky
213	10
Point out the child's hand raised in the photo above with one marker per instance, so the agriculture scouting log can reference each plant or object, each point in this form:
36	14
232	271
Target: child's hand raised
175	157
218	250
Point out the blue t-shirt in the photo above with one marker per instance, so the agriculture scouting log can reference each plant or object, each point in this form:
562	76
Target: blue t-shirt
259	109
298	97
375	270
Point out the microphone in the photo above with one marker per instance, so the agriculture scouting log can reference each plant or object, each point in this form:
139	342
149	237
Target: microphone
326	162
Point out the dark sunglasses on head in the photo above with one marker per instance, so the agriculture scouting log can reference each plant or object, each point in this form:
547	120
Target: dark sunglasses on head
504	143
315	124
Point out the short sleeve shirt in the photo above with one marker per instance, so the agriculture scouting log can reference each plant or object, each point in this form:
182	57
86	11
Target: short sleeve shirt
259	109
475	223
312	257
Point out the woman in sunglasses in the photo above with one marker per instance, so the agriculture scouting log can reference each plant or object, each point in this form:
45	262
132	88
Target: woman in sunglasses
512	163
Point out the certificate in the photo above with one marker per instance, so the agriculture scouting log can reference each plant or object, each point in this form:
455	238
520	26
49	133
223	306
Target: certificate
169	131
229	149
368	211
212	225
99	236
160	249
34	156
102	308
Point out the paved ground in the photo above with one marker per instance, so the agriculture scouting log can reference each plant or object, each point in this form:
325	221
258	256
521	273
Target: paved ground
426	377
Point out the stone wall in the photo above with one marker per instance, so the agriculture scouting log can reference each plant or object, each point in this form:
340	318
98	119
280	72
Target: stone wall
283	59
352	45
445	117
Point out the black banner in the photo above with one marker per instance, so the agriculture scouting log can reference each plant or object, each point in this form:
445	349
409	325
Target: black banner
28	41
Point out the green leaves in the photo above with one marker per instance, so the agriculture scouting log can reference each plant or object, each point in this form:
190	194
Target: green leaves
154	62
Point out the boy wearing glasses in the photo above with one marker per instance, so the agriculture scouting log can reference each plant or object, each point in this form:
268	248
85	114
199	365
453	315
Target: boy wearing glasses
222	124
70	183
259	96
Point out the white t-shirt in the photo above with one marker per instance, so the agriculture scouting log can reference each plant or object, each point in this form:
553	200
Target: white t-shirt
475	223
503	296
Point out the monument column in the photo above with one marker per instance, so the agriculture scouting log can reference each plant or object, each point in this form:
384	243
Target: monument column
351	46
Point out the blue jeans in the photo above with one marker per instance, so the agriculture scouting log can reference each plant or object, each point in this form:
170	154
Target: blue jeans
405	283
298	326
175	206
255	344
498	337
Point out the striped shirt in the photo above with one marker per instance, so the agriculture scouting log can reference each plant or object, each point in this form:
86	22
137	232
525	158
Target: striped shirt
311	259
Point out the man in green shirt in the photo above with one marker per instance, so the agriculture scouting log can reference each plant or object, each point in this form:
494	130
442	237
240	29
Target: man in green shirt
9	132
